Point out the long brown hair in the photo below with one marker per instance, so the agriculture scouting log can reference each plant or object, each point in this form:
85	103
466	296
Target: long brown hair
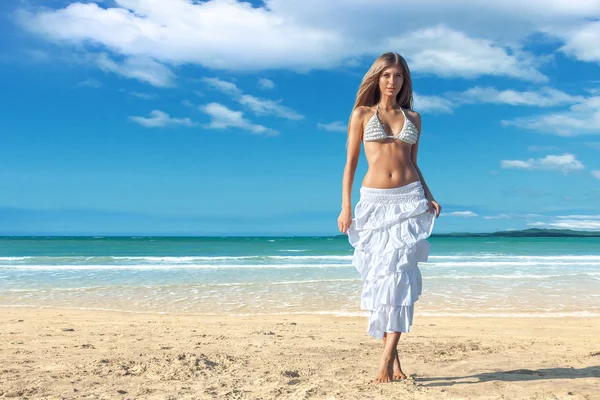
369	93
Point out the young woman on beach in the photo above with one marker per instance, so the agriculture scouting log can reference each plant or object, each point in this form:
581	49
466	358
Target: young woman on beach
396	210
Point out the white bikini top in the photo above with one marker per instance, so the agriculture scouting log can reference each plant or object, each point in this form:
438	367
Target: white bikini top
374	130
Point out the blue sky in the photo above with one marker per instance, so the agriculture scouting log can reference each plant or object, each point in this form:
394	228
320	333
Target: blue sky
227	118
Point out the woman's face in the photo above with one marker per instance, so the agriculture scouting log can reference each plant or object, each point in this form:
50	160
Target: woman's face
391	80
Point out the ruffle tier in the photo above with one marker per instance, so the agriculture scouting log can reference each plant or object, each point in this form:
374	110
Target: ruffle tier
389	235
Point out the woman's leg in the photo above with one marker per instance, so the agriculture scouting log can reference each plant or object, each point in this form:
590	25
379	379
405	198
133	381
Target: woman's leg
397	372
386	365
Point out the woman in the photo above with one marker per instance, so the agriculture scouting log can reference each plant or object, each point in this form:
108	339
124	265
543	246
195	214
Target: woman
395	213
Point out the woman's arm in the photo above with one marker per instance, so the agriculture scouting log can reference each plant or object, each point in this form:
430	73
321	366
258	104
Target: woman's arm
415	150
355	133
433	205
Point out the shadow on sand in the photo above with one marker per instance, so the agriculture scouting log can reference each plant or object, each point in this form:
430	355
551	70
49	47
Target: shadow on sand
512	376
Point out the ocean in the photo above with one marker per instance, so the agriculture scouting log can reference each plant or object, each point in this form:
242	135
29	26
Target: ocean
501	276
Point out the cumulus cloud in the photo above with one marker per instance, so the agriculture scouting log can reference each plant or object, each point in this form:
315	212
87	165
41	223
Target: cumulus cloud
336	126
161	119
266	84
223	118
581	42
565	163
446	52
436	36
596	174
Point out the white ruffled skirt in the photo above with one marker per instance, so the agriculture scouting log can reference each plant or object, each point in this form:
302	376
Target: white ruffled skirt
389	234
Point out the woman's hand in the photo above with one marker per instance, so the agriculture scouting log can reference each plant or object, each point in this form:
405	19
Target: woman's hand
344	220
434	207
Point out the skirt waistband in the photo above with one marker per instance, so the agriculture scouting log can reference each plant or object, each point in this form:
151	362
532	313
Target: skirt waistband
403	194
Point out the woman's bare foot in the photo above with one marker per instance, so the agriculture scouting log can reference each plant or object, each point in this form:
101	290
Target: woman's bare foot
385	369
397	374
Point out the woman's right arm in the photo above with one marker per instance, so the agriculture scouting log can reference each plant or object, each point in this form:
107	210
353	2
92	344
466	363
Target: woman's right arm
355	134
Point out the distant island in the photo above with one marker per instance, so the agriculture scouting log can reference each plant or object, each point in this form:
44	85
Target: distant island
524	233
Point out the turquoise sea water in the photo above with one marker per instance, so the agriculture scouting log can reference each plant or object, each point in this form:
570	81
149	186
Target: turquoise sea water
226	275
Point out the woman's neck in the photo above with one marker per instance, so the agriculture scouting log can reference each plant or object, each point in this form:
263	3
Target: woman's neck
388	103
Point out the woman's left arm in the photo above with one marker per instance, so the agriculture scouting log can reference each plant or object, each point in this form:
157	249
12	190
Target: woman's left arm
433	205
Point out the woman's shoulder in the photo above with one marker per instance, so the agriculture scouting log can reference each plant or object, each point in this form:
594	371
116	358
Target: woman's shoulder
415	117
412	113
361	112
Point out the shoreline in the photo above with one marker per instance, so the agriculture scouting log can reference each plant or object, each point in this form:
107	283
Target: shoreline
341	314
66	353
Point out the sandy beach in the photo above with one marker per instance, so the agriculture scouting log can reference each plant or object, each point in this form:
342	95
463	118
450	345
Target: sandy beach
72	354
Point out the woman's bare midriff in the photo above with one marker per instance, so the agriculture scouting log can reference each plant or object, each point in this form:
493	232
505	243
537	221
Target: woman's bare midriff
390	164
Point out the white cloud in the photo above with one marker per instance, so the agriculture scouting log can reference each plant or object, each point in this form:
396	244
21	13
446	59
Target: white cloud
544	97
578	216
336	126
577	224
582	222
223	118
435	36
266	84
215	34
516	164
450	53
581	42
506	19
561	124
269	107
223	86
91	83
161	119
257	105
138	67
499	216
467	214
596	174
424	104
188	103
565	162
531	215
582	117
